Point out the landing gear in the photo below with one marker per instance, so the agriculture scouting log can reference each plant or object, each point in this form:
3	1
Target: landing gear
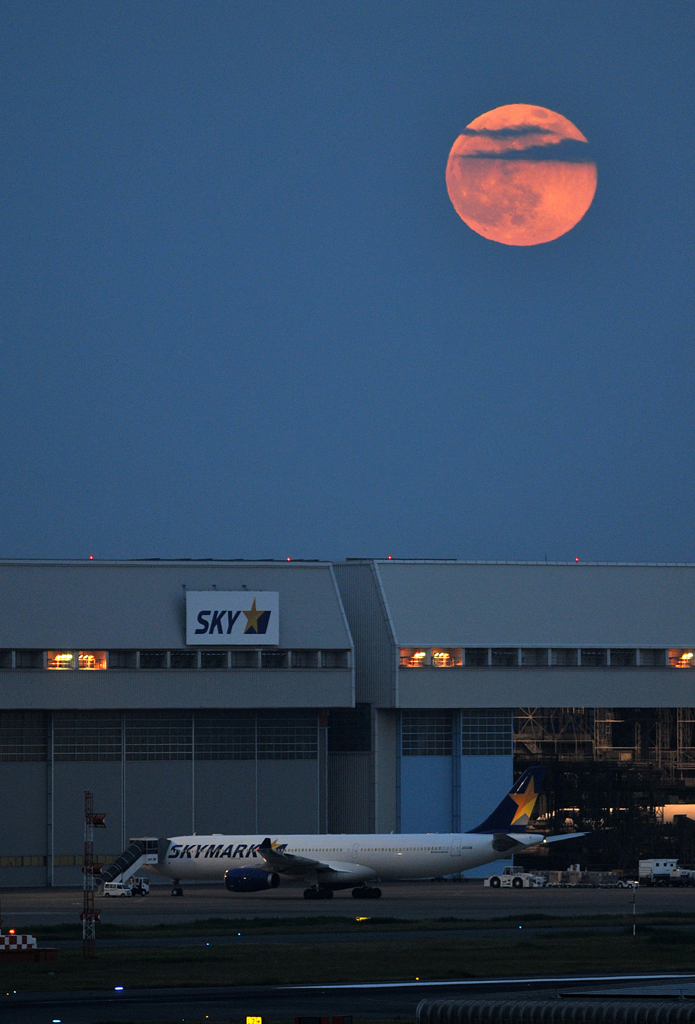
176	888
366	892
318	892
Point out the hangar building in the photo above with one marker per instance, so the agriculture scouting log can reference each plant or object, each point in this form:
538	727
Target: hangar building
364	695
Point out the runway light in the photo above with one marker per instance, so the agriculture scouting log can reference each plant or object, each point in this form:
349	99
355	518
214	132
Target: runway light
118	988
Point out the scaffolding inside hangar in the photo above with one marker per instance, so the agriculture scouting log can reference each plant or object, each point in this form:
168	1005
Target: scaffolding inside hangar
656	738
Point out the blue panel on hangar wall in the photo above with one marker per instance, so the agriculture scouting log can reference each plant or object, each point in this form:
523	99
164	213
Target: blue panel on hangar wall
484	782
425	771
486	769
486	744
455	767
426	794
485	779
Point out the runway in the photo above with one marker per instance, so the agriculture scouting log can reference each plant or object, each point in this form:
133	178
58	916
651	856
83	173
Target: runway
372	1001
413	901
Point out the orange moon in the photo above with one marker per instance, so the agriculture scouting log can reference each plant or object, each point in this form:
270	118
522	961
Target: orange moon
521	175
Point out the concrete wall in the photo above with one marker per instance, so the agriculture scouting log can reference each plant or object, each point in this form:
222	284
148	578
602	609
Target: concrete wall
545	687
167	688
23	819
225	796
350	793
158	800
375	652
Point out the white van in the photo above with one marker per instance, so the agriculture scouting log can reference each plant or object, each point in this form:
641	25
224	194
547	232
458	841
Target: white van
116	889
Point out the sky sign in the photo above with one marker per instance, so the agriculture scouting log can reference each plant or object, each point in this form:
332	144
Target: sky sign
232	617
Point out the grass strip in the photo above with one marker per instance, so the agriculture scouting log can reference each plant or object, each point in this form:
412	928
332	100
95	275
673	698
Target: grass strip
221	926
409	958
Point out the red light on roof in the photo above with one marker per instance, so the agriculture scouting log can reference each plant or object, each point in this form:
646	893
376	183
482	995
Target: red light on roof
91	557
576	559
11	931
289	559
389	556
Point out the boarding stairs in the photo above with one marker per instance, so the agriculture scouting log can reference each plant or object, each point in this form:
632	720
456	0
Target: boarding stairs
140	851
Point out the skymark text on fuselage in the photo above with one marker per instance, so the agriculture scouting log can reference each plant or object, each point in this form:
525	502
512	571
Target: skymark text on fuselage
208	850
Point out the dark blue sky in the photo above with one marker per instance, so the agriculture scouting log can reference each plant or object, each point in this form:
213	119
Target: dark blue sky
241	318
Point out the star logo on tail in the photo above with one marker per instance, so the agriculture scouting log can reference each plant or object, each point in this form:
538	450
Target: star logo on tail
525	802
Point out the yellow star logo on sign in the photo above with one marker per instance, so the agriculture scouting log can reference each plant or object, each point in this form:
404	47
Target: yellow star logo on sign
524	801
252	617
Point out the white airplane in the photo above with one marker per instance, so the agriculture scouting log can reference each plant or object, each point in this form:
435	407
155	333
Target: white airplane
329	862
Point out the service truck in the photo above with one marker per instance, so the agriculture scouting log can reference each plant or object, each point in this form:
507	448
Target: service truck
664	872
515	878
136	885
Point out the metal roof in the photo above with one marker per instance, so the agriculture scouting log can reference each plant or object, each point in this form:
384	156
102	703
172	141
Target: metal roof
538	604
141	604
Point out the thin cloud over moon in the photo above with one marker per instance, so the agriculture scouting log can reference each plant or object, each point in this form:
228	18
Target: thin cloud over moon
521	175
564	149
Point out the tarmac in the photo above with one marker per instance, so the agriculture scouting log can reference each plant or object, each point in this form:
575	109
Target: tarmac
412	901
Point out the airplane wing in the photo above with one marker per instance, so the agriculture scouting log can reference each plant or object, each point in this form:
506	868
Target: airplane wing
287	863
567	835
503	842
291	864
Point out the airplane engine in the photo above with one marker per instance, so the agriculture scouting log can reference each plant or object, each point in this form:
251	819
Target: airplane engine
250	879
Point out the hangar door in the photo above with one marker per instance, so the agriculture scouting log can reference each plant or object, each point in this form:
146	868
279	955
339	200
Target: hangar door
454	767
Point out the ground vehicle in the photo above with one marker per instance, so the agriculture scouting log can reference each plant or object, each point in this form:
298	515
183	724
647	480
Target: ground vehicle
656	872
116	889
682	876
664	872
515	878
140	885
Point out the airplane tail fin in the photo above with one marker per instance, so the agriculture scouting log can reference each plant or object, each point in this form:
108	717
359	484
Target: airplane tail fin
513	814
